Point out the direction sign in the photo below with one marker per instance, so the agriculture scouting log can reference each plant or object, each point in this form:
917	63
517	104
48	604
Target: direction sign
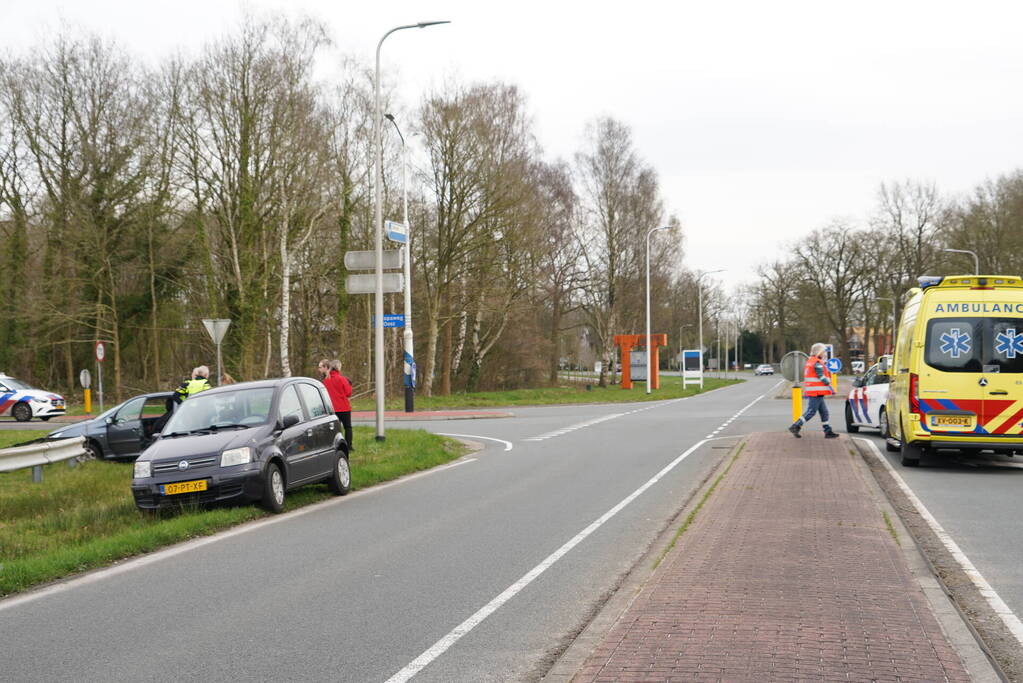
367	284
101	352
391	320
835	364
367	260
396	232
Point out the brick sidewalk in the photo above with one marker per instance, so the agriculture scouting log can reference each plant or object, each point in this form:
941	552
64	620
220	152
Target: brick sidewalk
787	573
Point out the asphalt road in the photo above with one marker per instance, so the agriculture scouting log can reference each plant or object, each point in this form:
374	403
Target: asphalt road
976	499
479	571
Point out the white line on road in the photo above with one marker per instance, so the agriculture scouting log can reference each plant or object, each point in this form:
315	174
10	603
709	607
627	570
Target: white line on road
1007	616
442	645
167	553
507	444
438	648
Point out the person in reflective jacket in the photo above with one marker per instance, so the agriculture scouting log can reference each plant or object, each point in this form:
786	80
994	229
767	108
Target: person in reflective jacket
816	388
200	382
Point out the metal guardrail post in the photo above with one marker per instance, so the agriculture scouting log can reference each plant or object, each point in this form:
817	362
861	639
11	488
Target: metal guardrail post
37	474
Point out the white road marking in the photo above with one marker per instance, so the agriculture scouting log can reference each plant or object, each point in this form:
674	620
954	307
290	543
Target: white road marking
1007	616
507	444
456	634
438	648
152	558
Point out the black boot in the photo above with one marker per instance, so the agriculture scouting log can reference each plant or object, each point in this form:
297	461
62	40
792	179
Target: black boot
829	433
795	430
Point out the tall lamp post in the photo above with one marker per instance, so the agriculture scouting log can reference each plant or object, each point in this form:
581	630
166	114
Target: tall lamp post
410	363
378	220
649	377
976	261
885	298
699	314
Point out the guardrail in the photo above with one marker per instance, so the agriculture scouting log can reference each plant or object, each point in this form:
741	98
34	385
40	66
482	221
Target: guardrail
38	454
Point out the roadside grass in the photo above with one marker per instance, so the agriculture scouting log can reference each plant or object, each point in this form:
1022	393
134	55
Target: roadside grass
13	437
671	387
83	518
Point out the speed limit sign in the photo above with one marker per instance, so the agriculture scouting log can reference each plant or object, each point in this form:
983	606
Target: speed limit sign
101	351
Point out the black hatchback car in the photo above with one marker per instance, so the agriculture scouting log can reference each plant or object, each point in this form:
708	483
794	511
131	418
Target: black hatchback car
249	441
125	430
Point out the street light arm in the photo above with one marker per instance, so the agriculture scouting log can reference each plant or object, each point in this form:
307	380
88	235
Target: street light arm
390	117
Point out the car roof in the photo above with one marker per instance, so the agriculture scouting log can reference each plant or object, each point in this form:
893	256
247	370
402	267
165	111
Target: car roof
257	384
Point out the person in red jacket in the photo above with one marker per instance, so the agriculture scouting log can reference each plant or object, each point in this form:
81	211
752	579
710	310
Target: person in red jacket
816	388
339	389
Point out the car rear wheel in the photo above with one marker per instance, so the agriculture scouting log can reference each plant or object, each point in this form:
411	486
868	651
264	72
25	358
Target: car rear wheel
911	453
849	426
273	489
340	481
22	412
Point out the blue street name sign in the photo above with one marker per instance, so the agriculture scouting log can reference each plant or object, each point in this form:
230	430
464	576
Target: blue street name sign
391	320
835	364
396	232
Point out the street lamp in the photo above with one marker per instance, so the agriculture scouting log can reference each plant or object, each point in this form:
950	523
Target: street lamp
649	377
410	363
378	219
699	314
976	261
885	298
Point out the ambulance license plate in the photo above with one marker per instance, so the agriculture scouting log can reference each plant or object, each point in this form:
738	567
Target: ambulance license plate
183	487
952	422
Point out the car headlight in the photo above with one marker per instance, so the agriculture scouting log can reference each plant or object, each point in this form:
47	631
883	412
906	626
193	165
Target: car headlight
36	399
236	456
143	469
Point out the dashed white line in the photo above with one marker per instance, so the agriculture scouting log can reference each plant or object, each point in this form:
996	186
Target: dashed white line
1008	617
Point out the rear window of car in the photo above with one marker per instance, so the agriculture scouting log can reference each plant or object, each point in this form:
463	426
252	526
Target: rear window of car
975	345
313	400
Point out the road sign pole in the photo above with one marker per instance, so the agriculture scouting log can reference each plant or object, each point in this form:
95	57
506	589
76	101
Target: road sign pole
99	382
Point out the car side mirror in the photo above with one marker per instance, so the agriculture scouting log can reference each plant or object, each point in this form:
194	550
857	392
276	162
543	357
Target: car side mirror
111	420
289	421
883	366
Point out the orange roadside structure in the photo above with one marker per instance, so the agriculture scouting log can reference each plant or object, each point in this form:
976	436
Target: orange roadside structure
627	342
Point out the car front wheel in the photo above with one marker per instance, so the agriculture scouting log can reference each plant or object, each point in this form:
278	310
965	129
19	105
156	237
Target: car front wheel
340	481
22	412
273	489
849	426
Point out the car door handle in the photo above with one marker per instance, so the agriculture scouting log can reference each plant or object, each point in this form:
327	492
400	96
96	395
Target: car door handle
309	432
998	393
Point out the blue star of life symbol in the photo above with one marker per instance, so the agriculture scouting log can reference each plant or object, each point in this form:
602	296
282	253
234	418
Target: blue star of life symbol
955	343
1008	343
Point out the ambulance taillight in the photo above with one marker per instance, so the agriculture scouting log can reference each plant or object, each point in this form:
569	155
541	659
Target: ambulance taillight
914	392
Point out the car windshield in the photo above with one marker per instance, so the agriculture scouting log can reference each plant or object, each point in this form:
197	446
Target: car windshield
15	385
975	344
221	410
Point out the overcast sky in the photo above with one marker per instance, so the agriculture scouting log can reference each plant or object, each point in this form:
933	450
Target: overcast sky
764	120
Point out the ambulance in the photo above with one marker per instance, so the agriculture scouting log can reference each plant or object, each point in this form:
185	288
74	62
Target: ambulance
957	373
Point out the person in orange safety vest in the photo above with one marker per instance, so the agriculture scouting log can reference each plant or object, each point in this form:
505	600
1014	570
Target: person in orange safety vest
816	388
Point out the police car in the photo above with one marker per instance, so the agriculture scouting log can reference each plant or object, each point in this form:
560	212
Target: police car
865	405
23	401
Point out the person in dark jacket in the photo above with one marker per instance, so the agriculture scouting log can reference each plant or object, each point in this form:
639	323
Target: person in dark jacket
339	389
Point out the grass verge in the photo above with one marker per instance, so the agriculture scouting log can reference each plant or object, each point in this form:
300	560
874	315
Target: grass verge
13	437
671	387
692	515
84	517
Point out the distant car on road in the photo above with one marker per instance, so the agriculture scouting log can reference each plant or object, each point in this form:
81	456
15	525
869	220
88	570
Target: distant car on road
22	401
125	430
764	369
865	405
858	367
250	441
